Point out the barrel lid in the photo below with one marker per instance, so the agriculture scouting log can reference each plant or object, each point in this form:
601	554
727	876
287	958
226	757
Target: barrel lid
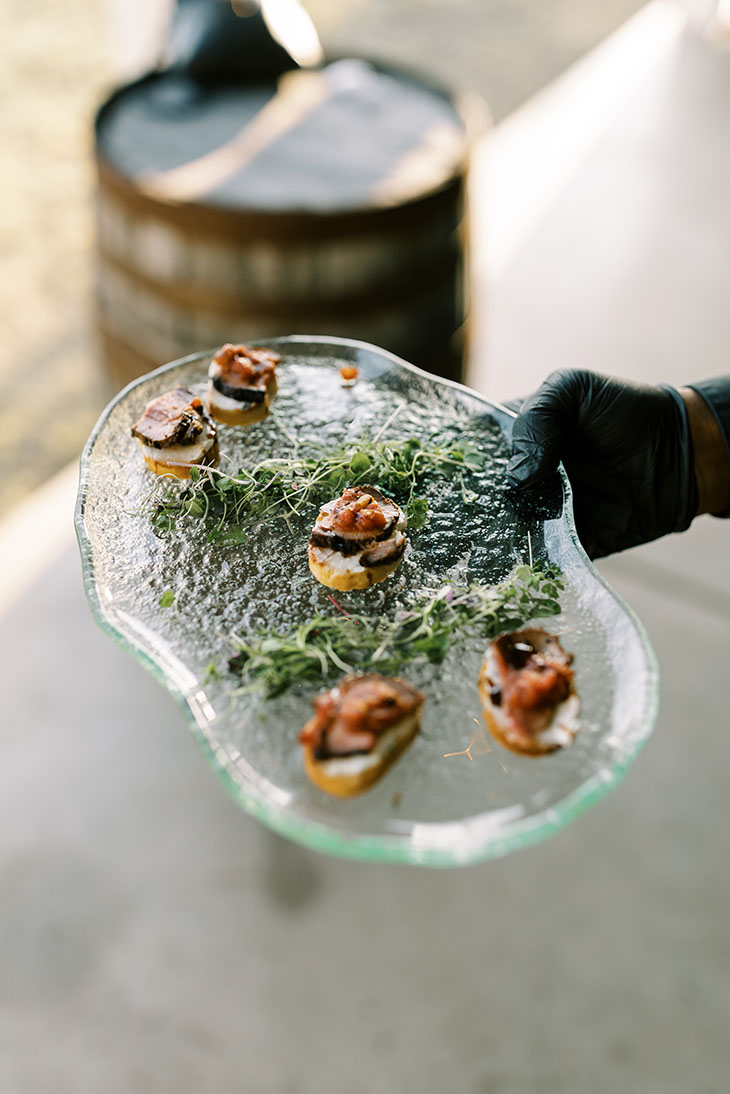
348	136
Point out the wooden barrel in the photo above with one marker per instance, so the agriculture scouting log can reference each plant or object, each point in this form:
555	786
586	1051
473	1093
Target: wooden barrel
332	202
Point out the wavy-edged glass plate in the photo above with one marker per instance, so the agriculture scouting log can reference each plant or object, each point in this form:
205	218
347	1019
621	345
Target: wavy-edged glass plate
455	796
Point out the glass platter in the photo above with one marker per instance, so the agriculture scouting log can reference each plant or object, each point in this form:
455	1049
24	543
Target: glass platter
455	796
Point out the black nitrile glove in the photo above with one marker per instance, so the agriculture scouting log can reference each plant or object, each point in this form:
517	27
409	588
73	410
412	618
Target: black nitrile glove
626	448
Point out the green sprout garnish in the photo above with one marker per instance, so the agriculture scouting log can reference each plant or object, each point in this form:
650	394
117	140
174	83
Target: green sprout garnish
328	645
231	504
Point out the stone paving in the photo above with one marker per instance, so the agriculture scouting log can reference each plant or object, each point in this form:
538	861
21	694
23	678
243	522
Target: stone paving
59	67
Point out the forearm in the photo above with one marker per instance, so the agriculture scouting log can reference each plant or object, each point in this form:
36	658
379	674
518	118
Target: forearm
711	456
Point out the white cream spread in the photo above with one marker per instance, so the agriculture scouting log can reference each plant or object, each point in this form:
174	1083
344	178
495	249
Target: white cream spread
225	402
392	739
333	560
350	564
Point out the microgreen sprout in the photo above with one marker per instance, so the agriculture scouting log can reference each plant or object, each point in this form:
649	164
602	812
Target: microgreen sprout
230	504
328	645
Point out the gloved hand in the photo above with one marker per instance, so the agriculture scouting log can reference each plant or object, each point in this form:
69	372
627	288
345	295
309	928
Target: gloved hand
627	450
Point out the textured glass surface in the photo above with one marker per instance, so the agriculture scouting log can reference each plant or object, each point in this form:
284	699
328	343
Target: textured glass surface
455	796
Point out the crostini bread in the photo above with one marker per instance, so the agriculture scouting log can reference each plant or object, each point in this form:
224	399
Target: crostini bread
242	383
176	433
357	539
528	694
359	728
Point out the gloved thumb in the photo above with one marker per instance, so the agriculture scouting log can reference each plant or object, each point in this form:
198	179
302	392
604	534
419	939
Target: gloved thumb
540	432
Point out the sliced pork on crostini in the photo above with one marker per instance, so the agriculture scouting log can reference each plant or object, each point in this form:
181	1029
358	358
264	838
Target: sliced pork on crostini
358	730
176	433
357	539
242	383
528	692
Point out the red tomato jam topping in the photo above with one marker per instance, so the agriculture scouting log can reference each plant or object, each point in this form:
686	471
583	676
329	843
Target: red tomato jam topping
253	366
349	718
357	511
534	676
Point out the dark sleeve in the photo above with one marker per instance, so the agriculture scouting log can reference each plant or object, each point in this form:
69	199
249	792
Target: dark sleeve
716	394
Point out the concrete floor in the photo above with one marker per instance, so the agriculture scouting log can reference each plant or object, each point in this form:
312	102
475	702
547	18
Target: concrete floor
153	938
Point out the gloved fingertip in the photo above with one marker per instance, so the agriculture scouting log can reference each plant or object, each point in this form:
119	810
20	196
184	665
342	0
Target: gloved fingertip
523	470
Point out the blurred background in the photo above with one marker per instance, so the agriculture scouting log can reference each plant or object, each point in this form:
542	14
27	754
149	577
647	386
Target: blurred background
60	63
153	937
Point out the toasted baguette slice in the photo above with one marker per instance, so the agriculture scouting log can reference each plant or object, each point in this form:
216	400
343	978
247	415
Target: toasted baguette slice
560	728
358	730
346	550
344	572
178	467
